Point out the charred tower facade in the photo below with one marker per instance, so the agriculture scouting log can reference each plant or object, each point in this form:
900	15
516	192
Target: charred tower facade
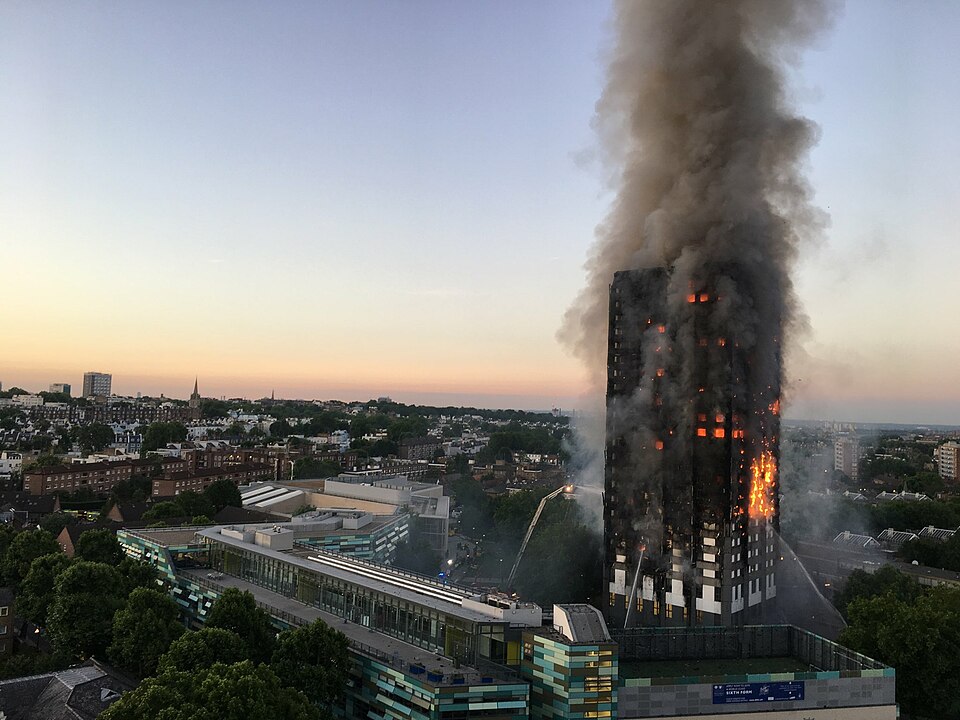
690	486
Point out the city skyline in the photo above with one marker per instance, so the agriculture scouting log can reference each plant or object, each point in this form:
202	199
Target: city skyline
341	200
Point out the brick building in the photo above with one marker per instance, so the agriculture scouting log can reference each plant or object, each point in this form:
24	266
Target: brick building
420	448
198	481
7	604
99	478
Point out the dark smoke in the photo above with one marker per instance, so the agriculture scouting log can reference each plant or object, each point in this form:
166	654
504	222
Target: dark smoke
705	153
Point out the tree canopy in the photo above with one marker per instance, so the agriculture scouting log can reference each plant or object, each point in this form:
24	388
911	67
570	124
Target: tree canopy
887	580
220	692
86	596
37	589
200	649
237	612
221	493
24	548
158	434
143	631
92	437
918	637
314	660
99	546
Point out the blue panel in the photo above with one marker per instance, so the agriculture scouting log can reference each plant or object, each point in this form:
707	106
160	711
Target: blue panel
757	692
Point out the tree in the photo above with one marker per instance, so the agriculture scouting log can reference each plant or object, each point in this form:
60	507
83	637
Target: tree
158	434
934	553
411	426
415	553
459	464
29	661
137	574
561	564
93	437
477	515
99	546
80	618
137	487
237	612
37	589
221	692
47	461
26	547
144	630
886	580
193	503
281	428
194	651
513	512
314	660
223	492
235	429
921	639
54	523
312	468
211	408
382	448
163	510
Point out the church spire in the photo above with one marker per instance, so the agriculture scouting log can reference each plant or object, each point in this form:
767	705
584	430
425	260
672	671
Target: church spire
195	397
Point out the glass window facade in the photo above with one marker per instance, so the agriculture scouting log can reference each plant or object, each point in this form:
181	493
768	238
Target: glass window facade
412	622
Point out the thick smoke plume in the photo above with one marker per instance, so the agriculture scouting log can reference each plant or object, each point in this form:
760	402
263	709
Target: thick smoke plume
705	154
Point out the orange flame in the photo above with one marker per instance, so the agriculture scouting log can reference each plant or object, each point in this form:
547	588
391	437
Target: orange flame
763	473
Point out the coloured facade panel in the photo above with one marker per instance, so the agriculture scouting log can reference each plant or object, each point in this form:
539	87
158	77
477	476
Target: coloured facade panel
567	679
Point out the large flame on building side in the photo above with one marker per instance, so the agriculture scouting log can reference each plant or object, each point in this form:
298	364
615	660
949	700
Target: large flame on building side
763	478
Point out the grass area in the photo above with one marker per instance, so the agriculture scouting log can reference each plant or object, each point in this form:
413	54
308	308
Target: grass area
710	667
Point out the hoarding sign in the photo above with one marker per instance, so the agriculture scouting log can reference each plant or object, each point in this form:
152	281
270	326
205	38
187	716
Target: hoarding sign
757	692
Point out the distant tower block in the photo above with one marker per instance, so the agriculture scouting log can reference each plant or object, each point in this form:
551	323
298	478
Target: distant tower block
97	384
846	455
691	500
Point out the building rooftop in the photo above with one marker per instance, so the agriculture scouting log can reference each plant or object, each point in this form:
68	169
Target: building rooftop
935	533
168	537
896	537
909	496
390	650
850	539
580	623
81	692
457	601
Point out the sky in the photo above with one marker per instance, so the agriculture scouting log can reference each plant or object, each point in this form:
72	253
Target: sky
355	199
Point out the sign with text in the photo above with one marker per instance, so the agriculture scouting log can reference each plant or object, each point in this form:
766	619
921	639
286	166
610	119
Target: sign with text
757	692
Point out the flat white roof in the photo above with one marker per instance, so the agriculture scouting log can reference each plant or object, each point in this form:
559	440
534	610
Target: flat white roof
274	499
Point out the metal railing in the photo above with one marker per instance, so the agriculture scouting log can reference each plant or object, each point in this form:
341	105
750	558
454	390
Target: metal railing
730	643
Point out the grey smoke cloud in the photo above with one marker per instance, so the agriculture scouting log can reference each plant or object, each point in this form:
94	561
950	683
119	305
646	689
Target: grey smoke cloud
706	157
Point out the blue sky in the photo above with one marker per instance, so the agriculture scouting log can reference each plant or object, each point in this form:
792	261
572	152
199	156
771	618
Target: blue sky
346	199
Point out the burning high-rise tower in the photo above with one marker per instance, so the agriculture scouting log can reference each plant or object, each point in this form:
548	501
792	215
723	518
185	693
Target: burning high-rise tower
690	497
689	292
